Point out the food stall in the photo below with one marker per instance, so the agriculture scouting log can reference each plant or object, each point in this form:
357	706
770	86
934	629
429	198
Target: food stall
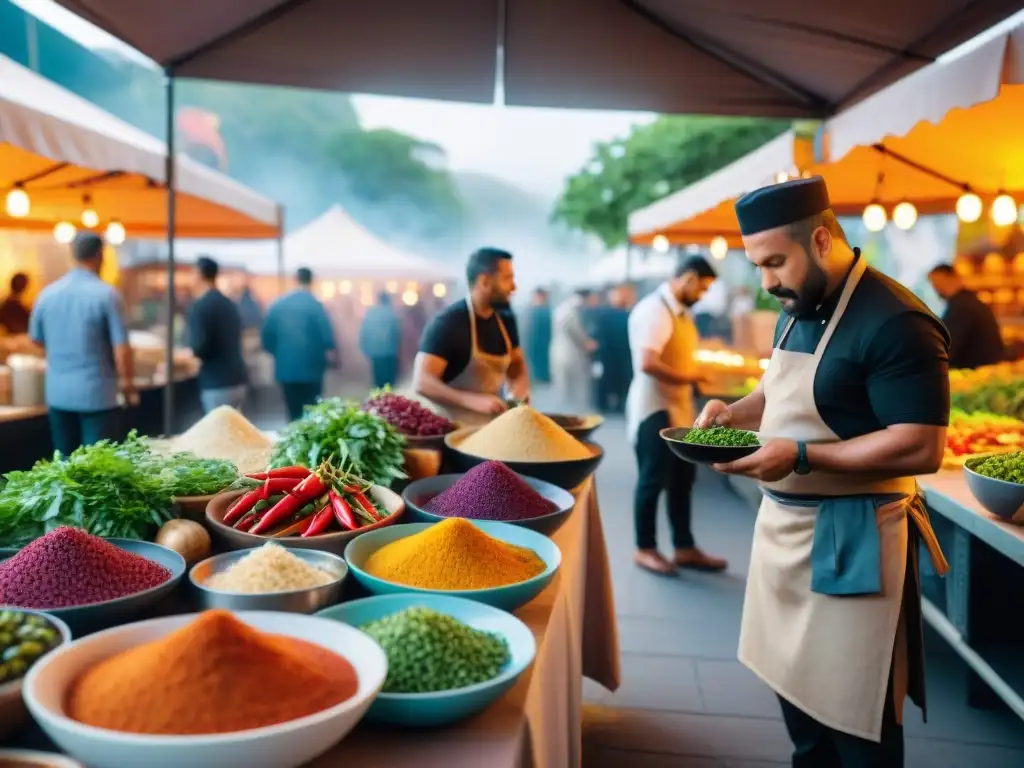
67	165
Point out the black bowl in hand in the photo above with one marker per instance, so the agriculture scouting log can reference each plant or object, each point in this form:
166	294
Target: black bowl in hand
695	453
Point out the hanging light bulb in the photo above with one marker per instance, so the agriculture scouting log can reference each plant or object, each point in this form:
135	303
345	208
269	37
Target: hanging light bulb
1004	211
440	290
18	205
781	177
660	243
89	217
64	232
968	207
115	233
874	218
904	215
410	297
719	248
345	287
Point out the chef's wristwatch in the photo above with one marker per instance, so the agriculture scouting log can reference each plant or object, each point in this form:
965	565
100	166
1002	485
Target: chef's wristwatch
803	465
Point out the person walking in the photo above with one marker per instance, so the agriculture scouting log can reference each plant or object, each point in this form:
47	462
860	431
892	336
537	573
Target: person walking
380	340
538	336
13	314
214	326
663	339
299	336
856	402
79	320
571	349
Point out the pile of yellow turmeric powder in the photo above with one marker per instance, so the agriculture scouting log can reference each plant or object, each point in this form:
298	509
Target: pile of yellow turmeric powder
453	555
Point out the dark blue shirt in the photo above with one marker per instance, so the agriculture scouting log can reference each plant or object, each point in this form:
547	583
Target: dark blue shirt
215	336
975	338
298	333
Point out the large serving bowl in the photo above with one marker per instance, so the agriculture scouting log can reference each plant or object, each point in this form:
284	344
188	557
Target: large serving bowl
565	474
507	598
1000	497
307	600
12	707
92	617
580	427
228	538
286	745
443	707
419	493
695	453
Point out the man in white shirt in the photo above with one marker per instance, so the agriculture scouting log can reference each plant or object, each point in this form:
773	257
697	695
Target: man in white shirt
663	339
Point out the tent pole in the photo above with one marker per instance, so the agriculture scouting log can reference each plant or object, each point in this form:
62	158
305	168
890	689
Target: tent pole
171	205
280	250
629	262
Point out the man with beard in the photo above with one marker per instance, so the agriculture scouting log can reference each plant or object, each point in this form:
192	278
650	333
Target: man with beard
853	406
663	339
470	350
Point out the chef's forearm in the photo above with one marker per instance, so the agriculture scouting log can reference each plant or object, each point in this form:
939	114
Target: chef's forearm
746	412
897	451
435	390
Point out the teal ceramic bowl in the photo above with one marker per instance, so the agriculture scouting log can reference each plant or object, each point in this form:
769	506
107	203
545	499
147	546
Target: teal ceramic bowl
507	598
421	710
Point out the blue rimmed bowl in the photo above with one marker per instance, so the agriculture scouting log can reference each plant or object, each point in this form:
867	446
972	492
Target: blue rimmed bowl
443	707
1000	497
508	598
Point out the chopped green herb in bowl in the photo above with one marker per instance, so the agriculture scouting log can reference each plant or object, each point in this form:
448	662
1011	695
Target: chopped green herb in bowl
723	436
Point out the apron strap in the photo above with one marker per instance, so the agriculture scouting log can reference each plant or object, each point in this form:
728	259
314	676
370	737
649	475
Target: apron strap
504	333
860	266
472	326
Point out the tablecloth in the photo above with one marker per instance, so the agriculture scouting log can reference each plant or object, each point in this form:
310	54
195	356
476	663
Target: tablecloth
538	723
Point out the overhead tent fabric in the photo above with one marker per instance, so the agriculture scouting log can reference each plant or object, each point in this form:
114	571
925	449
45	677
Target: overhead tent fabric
787	58
64	147
950	124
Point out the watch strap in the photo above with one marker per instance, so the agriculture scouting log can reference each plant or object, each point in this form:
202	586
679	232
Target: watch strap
803	464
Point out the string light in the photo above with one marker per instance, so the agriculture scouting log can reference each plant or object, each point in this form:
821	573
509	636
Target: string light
345	287
781	177
64	232
874	218
719	248
1004	211
968	207
660	243
410	297
440	290
116	234
89	217
18	204
904	215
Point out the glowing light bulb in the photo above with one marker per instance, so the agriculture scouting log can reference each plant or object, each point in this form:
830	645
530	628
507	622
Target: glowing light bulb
968	207
116	233
660	243
904	215
440	290
64	232
1004	211
345	287
781	177
719	248
874	218
18	205
90	218
409	298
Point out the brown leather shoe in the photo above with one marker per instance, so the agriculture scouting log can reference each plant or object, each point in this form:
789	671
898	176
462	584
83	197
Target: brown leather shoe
651	560
696	560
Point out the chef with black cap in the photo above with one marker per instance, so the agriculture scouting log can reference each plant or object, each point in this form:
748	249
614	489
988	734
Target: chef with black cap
853	406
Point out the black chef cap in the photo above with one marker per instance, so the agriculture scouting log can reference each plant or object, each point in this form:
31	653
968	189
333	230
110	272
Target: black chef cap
781	204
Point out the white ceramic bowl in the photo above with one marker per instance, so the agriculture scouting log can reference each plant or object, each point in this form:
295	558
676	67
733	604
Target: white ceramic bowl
287	745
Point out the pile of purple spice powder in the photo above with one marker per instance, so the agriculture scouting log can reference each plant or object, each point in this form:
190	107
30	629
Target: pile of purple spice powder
69	567
490	491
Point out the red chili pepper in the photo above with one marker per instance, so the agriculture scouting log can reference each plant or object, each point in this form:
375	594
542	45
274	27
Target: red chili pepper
302	494
342	512
320	523
367	506
247	522
277	485
243	505
296	472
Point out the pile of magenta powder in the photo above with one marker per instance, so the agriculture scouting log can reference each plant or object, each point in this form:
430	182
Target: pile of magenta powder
490	491
69	567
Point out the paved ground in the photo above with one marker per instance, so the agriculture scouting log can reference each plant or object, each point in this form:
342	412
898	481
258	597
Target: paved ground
686	702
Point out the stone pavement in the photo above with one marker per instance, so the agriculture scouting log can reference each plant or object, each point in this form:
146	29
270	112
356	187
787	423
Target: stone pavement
685	701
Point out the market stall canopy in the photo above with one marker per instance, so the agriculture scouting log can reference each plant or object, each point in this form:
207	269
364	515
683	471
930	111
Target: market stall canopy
60	148
727	57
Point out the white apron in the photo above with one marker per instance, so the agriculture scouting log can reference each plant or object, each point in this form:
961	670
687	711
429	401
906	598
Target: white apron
647	395
483	373
829	656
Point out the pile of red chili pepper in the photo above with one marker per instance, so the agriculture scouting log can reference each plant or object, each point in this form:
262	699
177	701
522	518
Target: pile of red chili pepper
296	501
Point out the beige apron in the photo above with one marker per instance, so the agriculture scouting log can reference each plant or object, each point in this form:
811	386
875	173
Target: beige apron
830	656
647	395
483	373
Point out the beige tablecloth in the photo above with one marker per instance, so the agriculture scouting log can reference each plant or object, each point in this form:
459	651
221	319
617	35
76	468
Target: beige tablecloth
538	723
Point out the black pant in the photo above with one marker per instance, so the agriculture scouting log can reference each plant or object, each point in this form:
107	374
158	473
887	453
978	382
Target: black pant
659	470
71	429
818	746
385	370
299	394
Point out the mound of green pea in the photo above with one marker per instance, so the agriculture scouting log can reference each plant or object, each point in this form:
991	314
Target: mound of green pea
24	638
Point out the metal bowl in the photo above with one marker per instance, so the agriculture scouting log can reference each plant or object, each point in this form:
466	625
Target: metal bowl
580	427
12	707
307	600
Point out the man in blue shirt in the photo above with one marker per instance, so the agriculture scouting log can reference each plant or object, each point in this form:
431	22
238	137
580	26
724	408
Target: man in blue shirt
380	338
215	336
79	320
299	336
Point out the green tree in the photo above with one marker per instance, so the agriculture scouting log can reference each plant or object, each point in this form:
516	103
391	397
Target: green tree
655	160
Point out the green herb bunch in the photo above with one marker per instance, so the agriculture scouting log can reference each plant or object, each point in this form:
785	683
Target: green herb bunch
339	430
428	651
722	436
182	474
1000	466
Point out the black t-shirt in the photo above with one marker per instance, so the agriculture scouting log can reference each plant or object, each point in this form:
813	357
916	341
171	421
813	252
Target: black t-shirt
887	362
447	336
215	336
975	339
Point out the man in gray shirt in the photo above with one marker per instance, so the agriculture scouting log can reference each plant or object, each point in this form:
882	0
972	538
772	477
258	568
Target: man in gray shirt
79	320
